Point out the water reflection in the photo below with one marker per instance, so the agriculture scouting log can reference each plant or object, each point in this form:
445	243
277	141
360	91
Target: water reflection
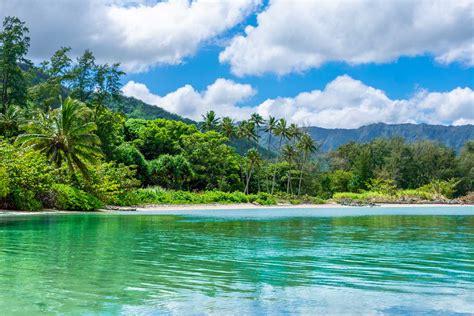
230	265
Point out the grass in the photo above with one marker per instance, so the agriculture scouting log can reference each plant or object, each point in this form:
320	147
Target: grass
397	196
159	196
156	195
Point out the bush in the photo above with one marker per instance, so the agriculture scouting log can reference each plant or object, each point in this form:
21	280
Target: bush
72	199
156	195
4	183
441	189
25	175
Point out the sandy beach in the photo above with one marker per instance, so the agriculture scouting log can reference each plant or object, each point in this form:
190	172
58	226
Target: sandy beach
243	206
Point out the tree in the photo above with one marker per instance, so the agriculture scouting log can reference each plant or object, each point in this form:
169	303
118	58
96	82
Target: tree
258	120
248	131
466	167
107	79
294	132
253	159
171	172
307	146
210	121
215	164
83	77
270	130
281	130
66	136
227	128
110	129
58	72
289	153
14	45
11	120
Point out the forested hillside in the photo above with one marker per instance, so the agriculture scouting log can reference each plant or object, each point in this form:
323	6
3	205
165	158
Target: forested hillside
452	136
70	140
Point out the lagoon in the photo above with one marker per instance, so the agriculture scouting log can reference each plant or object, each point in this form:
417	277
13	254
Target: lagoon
390	261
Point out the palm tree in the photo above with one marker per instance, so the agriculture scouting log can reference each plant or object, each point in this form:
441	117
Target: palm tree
253	159
11	120
281	130
269	129
65	135
294	132
307	146
227	127
289	154
210	121
258	120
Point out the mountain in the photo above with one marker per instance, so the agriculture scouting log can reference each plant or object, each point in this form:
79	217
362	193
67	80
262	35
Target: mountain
135	108
452	136
330	139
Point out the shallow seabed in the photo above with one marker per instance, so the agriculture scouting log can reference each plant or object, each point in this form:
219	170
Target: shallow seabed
399	261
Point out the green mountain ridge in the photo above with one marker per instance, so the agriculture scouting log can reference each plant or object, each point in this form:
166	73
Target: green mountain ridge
329	138
452	136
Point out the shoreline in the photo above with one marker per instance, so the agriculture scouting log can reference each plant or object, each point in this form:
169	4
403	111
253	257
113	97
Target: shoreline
244	206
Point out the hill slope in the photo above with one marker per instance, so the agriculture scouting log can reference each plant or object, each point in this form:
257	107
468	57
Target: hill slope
135	108
330	139
452	136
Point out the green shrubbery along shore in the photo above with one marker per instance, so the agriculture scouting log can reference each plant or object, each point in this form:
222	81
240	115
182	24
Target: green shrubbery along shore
61	146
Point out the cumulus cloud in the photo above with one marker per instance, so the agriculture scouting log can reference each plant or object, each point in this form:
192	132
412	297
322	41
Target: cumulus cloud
223	96
343	103
144	33
298	35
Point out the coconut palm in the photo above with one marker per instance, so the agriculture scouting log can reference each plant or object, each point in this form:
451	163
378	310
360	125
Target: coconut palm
269	129
11	120
294	132
281	130
227	127
65	136
289	153
210	121
253	160
258	120
307	146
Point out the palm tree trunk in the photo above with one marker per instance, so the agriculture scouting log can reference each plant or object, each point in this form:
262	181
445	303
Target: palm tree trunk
249	174
288	180
274	172
301	174
268	159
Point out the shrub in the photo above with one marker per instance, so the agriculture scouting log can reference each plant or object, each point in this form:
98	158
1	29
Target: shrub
70	198
440	188
25	176
4	183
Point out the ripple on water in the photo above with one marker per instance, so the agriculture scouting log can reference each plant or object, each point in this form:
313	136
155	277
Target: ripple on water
390	265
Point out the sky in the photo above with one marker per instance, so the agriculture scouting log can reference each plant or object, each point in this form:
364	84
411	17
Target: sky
327	63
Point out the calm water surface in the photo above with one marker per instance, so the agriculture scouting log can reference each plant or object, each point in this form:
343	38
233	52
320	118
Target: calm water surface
283	261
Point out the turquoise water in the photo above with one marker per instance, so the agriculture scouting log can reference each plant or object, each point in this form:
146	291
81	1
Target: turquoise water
283	261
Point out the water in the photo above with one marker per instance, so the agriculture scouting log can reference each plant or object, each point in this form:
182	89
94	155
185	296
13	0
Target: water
284	261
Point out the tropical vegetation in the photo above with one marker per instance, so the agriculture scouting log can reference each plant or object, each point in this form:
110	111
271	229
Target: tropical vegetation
70	140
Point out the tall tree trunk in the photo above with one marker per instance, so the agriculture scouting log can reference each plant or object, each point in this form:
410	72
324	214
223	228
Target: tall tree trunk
301	173
274	172
5	92
249	174
288	180
267	173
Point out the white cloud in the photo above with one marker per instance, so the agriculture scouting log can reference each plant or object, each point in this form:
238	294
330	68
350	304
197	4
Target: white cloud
299	35
222	96
343	103
144	34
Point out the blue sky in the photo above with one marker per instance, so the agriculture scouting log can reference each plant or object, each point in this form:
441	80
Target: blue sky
329	63
399	79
